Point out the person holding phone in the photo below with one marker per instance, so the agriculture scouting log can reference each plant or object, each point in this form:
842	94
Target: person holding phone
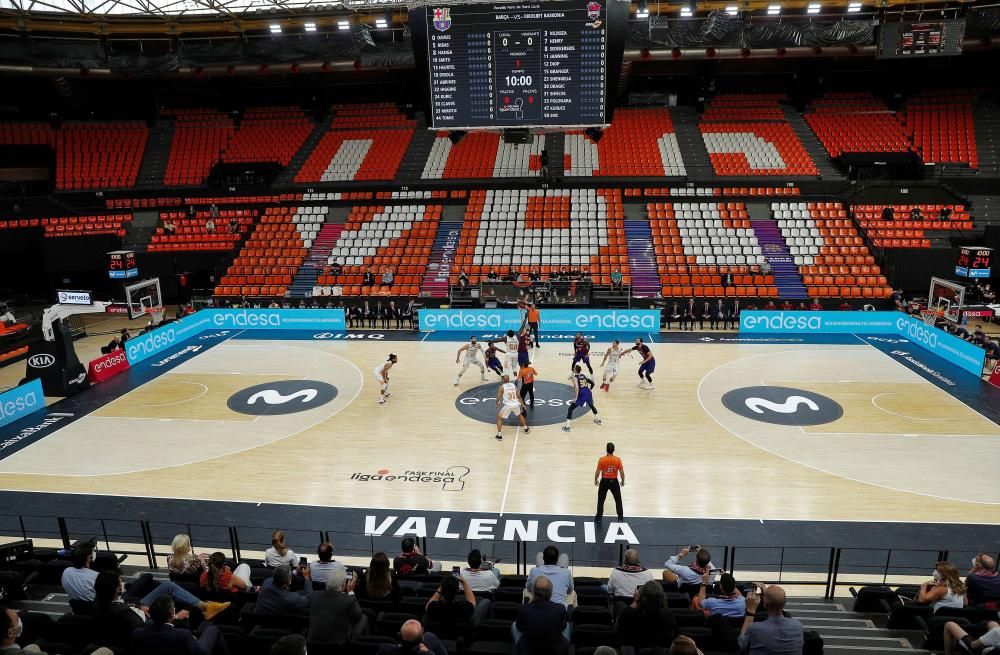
778	634
727	601
445	607
684	574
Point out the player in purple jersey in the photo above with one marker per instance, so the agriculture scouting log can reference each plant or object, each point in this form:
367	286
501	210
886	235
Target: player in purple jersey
581	352
584	396
648	365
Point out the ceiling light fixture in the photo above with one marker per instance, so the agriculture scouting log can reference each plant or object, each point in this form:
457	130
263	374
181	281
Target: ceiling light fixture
344	25
854	7
310	27
773	10
686	12
275	28
813	8
732	10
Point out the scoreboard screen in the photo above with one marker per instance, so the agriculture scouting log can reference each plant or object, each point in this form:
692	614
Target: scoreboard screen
940	38
521	64
974	262
121	265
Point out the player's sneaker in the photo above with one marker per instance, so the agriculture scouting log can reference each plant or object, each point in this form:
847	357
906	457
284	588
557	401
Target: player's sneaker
641	385
456	382
499	437
527	430
565	428
650	386
597	421
381	401
388	395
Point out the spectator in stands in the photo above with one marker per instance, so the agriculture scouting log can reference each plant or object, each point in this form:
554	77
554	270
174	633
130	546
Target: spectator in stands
956	637
727	602
480	575
978	336
113	345
492	276
191	212
787	306
276	597
511	275
992	347
218	579
555	569
845	306
616	280
541	625
379	582
410	561
815	306
210	226
674	314
289	645
11	629
765	267
387	277
945	589
336	268
169	227
183	561
958	330
234	225
279	553
770	306
684	645
114	620
444	606
915	214
888	213
78	580
683	574
778	635
647	622
983	584
988	294
124	336
802	306
413	639
534	275
944	214
320	569
625	579
213	210
335	617
463	279
727	280
369	277
162	638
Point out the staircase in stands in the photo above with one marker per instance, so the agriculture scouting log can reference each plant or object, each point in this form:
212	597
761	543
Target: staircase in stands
819	155
786	274
307	275
642	259
696	159
439	264
287	176
154	160
852	633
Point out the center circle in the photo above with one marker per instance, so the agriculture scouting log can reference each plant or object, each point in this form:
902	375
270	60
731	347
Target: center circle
282	397
552	399
782	405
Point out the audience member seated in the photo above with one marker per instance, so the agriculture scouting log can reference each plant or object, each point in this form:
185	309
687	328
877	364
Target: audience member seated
555	569
162	638
625	579
217	577
78	580
945	589
413	639
684	645
647	622
444	606
166	588
983	584
684	574
169	227
11	629
319	569
410	561
276	597
183	561
778	635
279	553
542	625
378	582
956	639
727	602
480	576
289	645
335	617
115	621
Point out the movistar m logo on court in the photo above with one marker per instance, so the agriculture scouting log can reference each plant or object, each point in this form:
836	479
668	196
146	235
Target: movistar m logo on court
282	397
782	405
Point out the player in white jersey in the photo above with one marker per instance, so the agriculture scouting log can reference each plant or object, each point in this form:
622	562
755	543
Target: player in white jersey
509	401
610	363
472	351
511	342
382	375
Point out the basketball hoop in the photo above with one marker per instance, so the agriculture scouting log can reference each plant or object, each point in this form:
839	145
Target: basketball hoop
155	315
930	316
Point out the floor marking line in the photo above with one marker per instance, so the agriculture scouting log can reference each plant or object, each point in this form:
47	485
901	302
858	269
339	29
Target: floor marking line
204	390
510	468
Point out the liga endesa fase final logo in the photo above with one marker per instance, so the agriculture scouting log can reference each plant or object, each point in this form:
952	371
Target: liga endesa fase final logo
450	479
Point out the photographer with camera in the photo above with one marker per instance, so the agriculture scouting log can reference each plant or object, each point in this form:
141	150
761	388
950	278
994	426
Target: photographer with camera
684	574
778	635
726	601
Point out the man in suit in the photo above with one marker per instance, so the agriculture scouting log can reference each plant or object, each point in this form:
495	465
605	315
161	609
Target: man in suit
162	638
335	616
541	625
276	597
413	639
10	632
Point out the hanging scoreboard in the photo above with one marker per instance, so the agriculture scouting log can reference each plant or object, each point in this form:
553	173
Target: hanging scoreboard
941	38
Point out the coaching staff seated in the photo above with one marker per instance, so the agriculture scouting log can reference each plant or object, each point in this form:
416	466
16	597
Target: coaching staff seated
335	616
275	596
778	635
162	638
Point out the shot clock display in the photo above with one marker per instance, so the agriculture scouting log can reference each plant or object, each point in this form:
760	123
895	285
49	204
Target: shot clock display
121	265
520	64
974	262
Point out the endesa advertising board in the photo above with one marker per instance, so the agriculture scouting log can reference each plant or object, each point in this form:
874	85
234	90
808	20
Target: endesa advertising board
107	366
559	320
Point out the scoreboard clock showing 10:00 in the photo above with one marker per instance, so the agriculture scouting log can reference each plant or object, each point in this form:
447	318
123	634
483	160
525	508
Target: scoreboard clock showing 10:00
121	265
974	262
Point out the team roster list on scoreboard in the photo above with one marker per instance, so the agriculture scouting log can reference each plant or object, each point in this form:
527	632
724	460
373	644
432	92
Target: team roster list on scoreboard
518	64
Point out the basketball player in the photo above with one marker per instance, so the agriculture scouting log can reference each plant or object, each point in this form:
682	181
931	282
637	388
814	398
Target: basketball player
492	361
509	402
511	343
382	375
584	396
581	352
609	468
472	351
523	346
527	376
610	363
648	364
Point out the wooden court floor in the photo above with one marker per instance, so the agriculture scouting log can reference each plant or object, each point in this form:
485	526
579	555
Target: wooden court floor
903	450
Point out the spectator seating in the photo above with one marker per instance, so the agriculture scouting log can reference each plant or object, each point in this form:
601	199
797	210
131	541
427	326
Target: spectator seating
364	142
269	259
695	243
73	226
88	155
482	155
856	122
831	256
200	136
543	230
268	134
639	142
942	128
903	231
397	237
192	235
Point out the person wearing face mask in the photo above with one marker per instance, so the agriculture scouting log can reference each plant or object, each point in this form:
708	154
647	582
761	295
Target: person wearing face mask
10	631
983	584
413	639
945	589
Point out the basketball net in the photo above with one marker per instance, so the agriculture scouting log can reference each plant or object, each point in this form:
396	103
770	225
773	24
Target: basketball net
155	315
930	316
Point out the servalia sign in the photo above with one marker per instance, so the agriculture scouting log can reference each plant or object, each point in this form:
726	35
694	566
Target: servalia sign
819	322
21	401
570	320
